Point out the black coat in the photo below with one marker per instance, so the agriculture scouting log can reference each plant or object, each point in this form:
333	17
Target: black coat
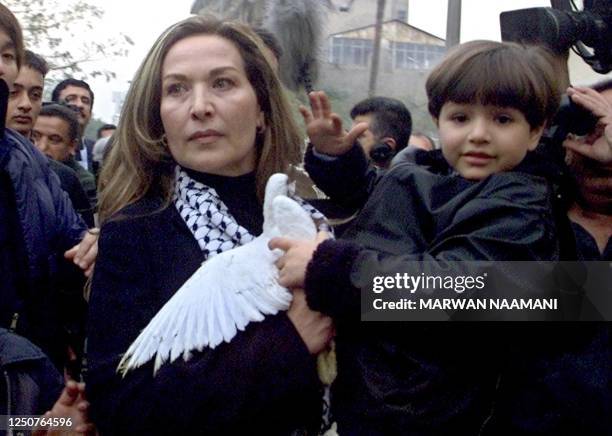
263	382
415	378
46	226
29	383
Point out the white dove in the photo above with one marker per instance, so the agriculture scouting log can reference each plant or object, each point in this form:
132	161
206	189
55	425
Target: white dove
227	292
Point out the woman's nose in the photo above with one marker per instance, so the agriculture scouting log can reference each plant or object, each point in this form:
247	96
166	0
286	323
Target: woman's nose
202	105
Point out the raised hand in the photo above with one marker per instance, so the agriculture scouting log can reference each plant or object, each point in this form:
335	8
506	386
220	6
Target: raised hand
324	127
597	145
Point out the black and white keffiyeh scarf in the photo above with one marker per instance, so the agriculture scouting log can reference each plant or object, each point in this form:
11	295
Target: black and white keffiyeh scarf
209	219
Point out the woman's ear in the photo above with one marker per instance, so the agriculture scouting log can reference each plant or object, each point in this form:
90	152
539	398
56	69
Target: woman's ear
261	122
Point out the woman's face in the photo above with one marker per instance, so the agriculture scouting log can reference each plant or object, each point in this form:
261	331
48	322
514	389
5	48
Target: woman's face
208	107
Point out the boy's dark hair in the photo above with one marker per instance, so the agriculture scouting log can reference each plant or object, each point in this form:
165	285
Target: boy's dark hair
64	113
9	23
270	41
502	74
71	82
390	118
106	127
36	62
602	86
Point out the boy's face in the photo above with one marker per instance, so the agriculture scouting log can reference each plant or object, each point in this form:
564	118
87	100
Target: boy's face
478	140
8	59
25	100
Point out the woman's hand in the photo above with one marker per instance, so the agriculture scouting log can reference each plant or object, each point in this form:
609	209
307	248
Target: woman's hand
324	128
315	329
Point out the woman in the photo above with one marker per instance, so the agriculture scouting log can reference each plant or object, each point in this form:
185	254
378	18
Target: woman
205	117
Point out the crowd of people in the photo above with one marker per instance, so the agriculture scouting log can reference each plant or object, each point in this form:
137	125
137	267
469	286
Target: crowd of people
182	179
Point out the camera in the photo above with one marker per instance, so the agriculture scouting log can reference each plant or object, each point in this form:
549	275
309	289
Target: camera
561	29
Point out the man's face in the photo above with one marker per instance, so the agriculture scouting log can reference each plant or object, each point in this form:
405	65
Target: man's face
106	133
80	98
25	101
52	136
8	59
594	179
367	140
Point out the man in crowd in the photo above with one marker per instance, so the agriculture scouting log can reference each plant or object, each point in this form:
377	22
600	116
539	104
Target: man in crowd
25	102
56	134
389	126
37	226
422	141
590	161
106	131
79	95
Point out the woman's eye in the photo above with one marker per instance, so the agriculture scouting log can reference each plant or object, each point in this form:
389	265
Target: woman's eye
222	83
175	89
8	56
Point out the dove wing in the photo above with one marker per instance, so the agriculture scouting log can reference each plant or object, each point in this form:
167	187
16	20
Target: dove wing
226	293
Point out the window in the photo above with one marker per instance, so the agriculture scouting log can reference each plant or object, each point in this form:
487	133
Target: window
350	51
411	56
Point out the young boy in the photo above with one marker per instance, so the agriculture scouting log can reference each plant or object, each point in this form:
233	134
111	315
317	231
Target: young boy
491	102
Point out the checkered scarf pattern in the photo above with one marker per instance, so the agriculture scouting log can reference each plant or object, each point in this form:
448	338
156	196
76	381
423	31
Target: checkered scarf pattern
209	220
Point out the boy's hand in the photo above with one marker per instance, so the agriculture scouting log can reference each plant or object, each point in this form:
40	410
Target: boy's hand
324	128
292	265
597	145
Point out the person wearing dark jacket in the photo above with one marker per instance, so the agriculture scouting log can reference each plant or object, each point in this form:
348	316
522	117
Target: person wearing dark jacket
56	133
72	186
183	182
25	102
29	384
37	225
496	204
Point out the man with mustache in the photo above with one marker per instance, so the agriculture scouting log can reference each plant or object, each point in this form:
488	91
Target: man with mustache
77	94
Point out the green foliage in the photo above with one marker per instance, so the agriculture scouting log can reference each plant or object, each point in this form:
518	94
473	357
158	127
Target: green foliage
49	26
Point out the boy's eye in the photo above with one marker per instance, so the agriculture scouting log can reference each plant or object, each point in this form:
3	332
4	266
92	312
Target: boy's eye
459	118
222	83
504	119
36	96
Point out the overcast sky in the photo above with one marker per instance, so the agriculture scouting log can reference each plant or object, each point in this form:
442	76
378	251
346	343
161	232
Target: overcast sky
144	20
